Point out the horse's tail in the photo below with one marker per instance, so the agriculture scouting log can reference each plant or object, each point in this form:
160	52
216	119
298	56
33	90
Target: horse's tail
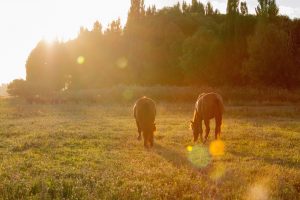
220	103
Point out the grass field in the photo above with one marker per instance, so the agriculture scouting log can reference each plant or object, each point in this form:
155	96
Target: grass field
90	151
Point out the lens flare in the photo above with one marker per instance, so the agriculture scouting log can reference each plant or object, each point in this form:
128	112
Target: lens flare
199	156
258	192
189	148
217	148
122	63
217	172
80	60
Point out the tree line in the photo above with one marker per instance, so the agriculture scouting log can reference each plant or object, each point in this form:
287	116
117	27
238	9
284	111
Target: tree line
185	44
3	88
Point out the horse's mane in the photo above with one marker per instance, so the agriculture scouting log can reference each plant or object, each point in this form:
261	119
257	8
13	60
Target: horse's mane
201	95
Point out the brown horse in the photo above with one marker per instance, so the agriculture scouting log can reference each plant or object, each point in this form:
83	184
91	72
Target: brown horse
208	106
144	113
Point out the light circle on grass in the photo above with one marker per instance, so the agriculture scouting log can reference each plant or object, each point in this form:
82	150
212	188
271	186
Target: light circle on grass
199	156
218	171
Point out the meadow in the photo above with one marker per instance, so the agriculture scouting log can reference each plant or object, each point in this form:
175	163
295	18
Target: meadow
89	150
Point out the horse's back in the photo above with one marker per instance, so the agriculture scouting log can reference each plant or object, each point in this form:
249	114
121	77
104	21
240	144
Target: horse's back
210	105
145	110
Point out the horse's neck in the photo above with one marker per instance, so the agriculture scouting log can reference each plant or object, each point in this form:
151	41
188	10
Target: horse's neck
199	107
197	116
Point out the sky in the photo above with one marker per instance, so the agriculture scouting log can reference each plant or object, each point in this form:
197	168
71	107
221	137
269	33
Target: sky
25	22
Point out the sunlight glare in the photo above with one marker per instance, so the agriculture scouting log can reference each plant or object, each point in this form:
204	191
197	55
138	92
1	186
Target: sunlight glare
80	60
199	156
217	172
122	62
49	39
189	148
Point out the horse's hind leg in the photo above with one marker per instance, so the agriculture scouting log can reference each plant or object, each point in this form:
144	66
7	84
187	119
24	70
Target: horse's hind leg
146	140
151	139
139	130
207	129
218	127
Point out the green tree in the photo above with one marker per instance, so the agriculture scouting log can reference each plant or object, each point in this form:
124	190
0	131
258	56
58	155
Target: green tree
18	87
115	27
151	10
233	7
267	8
199	58
184	7
172	44
136	11
270	56
3	89
97	28
47	65
244	8
197	7
209	10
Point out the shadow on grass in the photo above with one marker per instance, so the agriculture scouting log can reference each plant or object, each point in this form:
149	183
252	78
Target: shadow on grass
178	159
172	156
272	161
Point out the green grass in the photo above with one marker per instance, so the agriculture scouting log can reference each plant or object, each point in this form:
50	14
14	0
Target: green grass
81	151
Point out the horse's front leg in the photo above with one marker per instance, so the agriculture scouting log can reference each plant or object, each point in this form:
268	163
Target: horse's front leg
207	129
139	130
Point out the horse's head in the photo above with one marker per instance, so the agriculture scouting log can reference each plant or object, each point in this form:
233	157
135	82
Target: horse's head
196	130
148	132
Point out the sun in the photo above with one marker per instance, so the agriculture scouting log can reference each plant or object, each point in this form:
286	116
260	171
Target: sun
31	21
49	39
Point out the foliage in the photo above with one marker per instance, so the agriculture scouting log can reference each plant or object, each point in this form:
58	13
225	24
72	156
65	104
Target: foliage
186	44
244	8
233	7
3	90
267	8
18	87
283	71
209	9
